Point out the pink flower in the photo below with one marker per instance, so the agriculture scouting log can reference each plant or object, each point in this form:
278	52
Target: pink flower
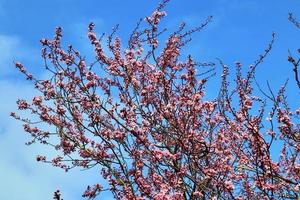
22	104
37	100
41	158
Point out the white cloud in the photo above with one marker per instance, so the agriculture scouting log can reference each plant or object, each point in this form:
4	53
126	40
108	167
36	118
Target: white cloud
8	45
21	176
12	50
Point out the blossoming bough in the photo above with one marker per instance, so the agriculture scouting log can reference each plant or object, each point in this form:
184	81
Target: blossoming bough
140	114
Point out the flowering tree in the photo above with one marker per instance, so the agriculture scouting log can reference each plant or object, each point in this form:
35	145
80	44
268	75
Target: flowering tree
140	114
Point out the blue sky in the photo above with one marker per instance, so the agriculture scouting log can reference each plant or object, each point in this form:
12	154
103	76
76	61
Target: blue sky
240	31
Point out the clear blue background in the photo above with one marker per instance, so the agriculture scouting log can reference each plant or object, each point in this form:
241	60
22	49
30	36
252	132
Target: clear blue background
240	31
